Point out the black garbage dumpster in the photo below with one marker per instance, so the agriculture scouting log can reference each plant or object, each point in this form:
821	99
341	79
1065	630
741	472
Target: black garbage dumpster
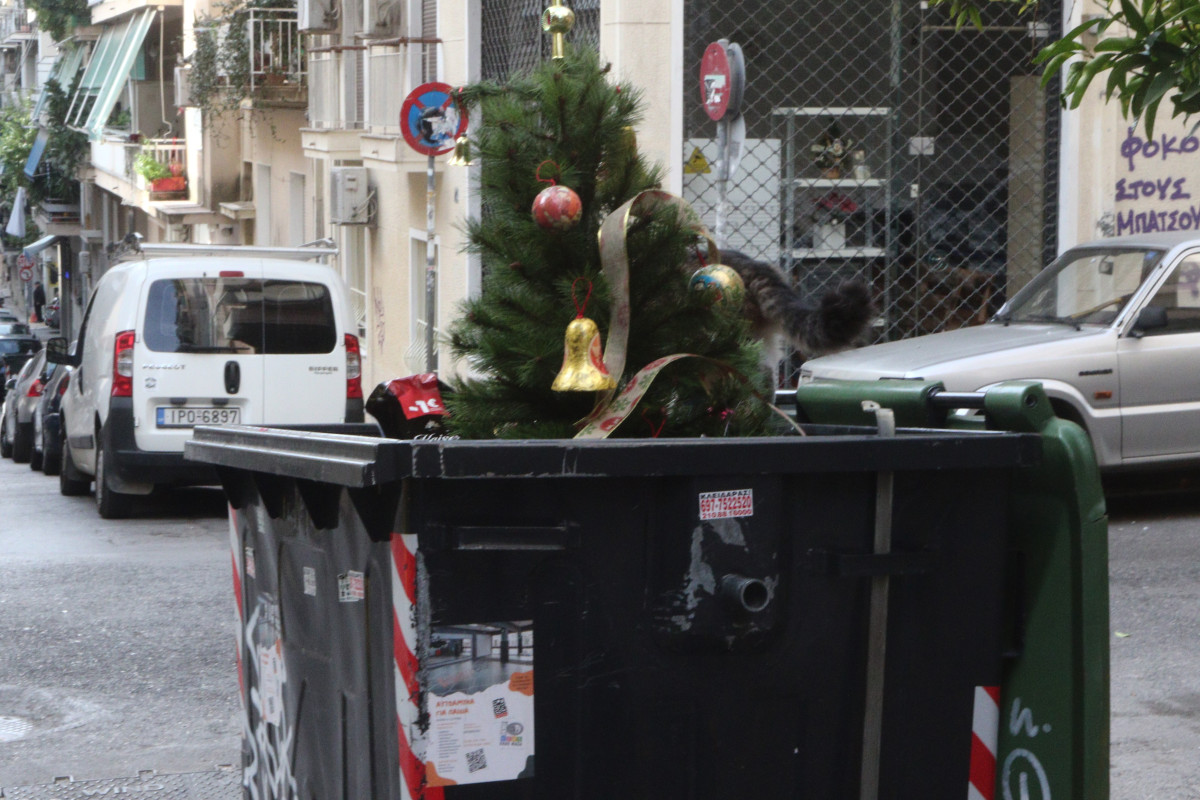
807	616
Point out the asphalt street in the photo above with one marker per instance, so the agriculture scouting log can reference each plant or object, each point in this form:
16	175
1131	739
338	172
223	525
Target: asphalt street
118	639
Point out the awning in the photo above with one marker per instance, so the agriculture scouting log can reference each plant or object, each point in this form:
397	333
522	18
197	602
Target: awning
107	72
65	68
40	245
35	152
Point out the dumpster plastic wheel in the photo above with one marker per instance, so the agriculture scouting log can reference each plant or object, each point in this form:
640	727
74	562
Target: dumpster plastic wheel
110	504
70	482
22	444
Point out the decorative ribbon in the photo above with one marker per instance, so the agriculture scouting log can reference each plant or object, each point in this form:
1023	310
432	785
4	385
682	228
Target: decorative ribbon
609	415
614	258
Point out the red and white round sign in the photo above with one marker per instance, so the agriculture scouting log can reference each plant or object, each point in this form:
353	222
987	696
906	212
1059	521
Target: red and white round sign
26	274
716	81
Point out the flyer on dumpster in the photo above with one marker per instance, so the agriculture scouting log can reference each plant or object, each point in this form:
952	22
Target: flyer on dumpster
480	694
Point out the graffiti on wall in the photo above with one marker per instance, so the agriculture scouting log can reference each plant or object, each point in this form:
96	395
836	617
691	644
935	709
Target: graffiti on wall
1158	183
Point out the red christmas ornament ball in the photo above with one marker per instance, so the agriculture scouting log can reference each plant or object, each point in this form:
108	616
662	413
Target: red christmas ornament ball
557	208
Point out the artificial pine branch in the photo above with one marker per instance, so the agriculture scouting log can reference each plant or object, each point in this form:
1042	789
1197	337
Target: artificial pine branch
567	119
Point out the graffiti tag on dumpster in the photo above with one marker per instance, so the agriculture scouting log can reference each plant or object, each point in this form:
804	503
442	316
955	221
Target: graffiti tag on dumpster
1023	777
267	731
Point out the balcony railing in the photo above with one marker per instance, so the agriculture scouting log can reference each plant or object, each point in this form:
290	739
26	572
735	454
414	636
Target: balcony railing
276	51
386	68
172	155
14	21
335	98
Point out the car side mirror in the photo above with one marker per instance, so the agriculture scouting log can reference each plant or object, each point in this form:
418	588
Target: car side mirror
10	384
1150	318
59	352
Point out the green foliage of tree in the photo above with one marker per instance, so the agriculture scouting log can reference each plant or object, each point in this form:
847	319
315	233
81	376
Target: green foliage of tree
66	150
569	120
60	17
16	138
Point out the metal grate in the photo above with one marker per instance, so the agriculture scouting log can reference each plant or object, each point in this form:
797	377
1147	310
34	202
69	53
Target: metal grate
945	198
513	39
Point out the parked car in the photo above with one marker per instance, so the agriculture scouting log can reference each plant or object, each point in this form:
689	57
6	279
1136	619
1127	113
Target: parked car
169	343
8	316
52	314
14	352
1112	330
15	329
16	419
47	444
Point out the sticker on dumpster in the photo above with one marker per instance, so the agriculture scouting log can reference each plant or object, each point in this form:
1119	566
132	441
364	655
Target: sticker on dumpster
310	581
270	682
479	680
351	588
727	504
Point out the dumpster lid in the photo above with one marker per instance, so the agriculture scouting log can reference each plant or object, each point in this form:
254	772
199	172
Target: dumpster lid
360	461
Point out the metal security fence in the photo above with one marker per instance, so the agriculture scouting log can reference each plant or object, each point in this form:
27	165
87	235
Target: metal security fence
513	39
883	144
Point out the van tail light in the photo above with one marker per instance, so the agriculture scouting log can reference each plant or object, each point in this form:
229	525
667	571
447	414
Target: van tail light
123	365
353	368
35	389
62	386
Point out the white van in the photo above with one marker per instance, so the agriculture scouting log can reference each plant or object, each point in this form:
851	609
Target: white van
170	343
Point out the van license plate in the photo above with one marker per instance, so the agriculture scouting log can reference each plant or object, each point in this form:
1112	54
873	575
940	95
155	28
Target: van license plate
188	416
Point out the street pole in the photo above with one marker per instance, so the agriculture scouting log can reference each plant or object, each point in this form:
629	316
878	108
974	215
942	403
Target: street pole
430	266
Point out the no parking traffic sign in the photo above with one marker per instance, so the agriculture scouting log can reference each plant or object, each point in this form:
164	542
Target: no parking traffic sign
431	120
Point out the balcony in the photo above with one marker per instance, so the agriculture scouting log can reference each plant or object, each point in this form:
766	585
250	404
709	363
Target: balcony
15	25
278	73
386	66
335	100
159	169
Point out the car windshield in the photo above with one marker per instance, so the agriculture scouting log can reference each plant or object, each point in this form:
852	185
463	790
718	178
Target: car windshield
1083	287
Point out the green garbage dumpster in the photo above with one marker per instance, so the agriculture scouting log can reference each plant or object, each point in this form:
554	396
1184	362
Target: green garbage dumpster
811	616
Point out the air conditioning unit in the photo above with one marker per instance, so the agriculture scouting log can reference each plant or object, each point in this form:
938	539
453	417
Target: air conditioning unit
183	87
382	17
317	16
350	197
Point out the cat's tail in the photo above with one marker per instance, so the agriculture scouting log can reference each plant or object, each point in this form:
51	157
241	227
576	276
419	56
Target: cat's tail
836	323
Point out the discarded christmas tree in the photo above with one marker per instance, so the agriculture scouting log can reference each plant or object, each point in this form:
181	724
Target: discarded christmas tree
567	124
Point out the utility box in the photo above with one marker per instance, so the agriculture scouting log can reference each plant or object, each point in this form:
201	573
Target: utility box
350	196
806	616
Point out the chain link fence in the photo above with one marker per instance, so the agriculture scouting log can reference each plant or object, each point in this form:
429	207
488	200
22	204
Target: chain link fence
513	39
880	143
883	144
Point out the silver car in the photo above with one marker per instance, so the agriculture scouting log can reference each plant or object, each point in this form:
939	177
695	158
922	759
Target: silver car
1112	330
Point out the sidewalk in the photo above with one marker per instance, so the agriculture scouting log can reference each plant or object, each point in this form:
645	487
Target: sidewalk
15	302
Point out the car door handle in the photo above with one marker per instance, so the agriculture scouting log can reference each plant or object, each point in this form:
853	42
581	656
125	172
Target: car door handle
233	377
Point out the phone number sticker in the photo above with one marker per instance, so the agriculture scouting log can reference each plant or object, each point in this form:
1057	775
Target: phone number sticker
727	504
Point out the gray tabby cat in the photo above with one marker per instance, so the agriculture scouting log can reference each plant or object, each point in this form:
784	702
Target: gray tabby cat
779	313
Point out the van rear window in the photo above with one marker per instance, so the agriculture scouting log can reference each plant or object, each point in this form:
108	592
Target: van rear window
239	315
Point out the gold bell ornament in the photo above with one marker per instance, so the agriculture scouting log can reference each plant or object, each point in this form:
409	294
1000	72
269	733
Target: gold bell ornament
583	368
462	153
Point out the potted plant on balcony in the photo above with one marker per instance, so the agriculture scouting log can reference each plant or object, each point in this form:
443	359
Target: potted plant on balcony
160	177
